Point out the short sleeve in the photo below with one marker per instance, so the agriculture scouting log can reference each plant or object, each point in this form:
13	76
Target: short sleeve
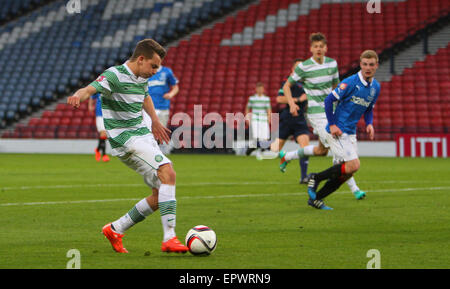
297	75
171	78
104	83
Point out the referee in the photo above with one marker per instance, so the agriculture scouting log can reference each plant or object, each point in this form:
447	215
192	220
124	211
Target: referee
295	126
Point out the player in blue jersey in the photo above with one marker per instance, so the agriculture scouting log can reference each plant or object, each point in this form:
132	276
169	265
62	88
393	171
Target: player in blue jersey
96	104
162	87
355	96
295	126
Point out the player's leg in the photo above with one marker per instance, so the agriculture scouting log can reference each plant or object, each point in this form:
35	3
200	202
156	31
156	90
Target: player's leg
277	145
101	147
343	149
310	150
357	192
303	141
167	206
115	231
253	137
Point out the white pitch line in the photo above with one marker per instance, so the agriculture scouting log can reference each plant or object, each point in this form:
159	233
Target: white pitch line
214	197
25	188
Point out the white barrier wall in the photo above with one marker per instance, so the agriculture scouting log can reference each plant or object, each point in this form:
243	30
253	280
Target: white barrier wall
373	149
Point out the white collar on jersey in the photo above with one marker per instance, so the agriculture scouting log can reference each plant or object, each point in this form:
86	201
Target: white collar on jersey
137	78
361	78
128	69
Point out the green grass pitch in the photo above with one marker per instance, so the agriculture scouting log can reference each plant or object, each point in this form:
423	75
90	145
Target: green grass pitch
50	204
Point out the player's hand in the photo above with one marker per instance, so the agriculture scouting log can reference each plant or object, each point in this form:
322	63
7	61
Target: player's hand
335	130
371	131
167	96
294	109
74	101
160	132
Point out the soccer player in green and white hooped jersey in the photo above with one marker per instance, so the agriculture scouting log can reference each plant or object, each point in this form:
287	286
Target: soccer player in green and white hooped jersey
259	105
124	94
319	76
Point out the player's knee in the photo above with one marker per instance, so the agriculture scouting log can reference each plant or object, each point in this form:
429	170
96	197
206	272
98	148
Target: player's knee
321	152
167	174
352	166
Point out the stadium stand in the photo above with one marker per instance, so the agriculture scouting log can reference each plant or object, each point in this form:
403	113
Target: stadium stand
83	45
14	8
256	44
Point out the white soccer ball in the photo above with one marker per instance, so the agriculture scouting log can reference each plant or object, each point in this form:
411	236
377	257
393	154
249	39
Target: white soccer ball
201	240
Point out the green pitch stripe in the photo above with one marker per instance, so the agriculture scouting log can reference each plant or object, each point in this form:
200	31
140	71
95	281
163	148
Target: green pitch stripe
122	138
120	105
123	123
169	207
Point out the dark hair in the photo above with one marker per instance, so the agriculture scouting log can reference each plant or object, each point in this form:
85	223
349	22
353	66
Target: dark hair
259	84
147	48
314	37
297	60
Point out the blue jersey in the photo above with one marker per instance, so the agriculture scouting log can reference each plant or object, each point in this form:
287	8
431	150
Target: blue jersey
98	105
355	98
159	84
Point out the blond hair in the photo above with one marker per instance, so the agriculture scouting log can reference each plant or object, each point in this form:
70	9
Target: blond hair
369	54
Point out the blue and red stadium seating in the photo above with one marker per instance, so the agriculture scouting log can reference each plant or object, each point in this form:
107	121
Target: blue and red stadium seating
219	67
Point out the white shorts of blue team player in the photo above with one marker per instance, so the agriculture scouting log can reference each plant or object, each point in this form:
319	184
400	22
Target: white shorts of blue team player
143	155
344	147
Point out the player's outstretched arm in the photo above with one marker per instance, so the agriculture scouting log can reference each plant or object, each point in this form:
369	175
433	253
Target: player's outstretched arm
81	95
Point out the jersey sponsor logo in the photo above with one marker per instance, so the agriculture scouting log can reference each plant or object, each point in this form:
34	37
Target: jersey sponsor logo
152	83
360	101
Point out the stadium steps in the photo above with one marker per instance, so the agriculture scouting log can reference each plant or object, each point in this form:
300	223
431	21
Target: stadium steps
414	53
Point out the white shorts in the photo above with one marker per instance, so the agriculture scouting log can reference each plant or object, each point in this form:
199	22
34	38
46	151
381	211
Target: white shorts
99	123
344	148
260	130
319	125
144	156
163	116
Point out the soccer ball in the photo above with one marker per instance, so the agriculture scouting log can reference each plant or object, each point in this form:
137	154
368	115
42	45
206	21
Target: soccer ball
201	240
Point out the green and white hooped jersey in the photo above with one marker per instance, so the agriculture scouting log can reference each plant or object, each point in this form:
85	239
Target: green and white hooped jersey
122	95
259	104
318	80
